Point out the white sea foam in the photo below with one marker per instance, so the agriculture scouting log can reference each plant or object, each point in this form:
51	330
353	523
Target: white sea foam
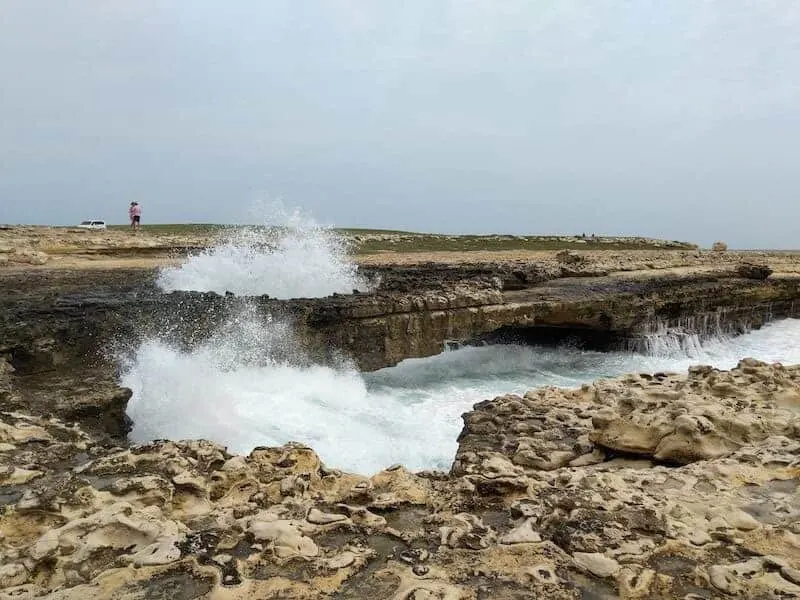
247	387
288	255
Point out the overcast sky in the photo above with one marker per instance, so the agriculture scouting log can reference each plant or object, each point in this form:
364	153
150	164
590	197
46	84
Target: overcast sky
673	119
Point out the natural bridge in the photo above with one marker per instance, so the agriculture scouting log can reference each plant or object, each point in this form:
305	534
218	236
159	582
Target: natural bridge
73	318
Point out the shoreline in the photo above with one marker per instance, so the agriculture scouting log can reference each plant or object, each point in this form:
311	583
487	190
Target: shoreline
568	482
651	485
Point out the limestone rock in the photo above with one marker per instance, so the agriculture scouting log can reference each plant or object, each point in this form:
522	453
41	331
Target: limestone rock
522	534
753	271
541	431
596	563
708	415
569	257
17	476
751	578
533	507
317	517
283	536
6	371
28	256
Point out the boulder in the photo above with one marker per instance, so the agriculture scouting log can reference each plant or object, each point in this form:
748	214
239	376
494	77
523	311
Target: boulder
719	247
28	256
710	414
753	271
568	257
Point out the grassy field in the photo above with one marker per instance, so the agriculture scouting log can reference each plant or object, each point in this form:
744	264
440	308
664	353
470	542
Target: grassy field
372	241
178	228
429	243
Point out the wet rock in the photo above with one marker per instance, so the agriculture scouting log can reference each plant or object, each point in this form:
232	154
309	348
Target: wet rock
60	318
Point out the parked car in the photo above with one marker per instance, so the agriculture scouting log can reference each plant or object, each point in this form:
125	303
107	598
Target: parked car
92	225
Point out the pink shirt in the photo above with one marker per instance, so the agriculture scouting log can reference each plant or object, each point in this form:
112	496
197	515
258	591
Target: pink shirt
135	211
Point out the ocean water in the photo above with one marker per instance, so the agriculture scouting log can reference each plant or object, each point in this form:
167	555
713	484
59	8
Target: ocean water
249	385
408	414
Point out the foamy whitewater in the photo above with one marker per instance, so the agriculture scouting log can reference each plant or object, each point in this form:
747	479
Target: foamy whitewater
408	414
289	256
250	385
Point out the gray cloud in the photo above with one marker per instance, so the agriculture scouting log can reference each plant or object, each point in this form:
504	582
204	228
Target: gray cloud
678	119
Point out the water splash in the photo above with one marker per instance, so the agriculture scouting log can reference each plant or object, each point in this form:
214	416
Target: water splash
288	255
684	337
688	336
251	385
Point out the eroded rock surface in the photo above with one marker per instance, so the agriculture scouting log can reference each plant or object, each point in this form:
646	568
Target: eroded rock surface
646	486
659	485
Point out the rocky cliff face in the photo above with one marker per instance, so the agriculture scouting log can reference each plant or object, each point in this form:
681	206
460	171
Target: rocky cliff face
647	486
46	323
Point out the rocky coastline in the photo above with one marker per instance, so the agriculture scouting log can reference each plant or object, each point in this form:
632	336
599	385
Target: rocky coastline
647	486
651	485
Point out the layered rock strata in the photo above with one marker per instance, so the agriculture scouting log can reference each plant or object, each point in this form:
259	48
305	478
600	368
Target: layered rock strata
45	324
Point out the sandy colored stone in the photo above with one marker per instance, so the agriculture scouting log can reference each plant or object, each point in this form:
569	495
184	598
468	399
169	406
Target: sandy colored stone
596	563
278	523
27	256
284	536
708	415
17	476
317	517
522	534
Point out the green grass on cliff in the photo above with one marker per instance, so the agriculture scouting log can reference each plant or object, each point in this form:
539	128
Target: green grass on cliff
177	228
467	243
372	241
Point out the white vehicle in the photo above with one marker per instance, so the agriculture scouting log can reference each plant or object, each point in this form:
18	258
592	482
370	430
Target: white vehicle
92	225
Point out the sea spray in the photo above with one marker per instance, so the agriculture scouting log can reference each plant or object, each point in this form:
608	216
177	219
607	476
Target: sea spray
288	255
249	385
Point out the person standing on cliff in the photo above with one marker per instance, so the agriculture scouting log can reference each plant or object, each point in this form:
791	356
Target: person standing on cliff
135	213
